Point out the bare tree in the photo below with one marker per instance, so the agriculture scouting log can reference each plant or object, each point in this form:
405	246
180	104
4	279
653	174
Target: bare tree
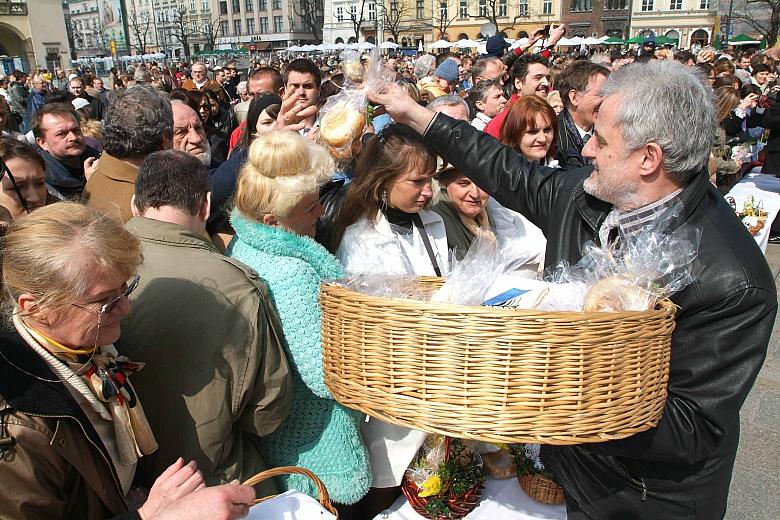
445	12
358	17
211	30
311	14
139	28
396	17
762	15
181	29
496	10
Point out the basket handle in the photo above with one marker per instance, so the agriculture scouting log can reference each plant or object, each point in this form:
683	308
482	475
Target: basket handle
322	492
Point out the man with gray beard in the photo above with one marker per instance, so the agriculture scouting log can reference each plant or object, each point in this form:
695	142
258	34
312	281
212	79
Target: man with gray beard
188	133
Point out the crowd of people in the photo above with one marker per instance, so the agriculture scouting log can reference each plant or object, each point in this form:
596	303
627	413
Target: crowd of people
165	239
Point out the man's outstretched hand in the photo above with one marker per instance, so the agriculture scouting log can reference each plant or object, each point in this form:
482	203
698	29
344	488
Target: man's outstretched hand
401	107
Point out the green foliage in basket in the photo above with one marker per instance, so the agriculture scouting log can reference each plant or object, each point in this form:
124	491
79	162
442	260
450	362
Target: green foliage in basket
458	474
526	458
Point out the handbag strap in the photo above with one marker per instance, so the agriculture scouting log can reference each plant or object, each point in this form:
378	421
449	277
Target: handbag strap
427	241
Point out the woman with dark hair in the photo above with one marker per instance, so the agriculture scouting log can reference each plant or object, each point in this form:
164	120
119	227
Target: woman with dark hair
201	104
530	129
22	184
383	226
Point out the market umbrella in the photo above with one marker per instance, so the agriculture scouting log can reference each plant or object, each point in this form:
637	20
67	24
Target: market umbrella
388	45
613	41
636	39
590	40
744	39
663	40
441	44
465	44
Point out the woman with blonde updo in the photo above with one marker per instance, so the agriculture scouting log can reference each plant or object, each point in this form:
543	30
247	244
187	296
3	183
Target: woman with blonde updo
276	209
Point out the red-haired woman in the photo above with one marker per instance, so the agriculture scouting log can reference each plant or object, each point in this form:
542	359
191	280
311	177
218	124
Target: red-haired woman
530	128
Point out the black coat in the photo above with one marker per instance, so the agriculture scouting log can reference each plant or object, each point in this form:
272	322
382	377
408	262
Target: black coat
567	150
682	467
771	121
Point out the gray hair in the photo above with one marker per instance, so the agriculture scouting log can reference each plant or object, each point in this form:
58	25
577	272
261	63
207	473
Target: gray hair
448	100
137	122
424	66
480	91
664	102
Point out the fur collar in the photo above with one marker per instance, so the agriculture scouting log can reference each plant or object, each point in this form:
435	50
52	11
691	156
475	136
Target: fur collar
279	242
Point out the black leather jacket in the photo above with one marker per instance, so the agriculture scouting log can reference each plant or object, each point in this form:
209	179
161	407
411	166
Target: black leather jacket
682	467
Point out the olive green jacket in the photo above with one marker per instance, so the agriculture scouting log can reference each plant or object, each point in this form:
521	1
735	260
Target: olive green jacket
216	377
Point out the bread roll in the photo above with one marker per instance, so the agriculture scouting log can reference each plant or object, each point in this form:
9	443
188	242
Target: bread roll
616	294
341	124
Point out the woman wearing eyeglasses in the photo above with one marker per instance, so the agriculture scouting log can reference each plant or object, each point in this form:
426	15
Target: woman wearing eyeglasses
72	428
22	184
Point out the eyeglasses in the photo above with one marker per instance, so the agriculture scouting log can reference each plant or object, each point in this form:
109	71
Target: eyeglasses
107	308
3	170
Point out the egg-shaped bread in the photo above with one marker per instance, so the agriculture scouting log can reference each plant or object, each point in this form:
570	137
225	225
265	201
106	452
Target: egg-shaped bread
616	294
341	124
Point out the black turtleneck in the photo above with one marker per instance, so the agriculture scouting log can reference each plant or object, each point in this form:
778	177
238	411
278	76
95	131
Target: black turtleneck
400	218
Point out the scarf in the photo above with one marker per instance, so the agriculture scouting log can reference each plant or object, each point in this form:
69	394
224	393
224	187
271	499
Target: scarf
108	389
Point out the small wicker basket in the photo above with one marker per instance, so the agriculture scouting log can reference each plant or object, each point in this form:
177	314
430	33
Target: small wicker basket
494	374
322	492
541	488
459	506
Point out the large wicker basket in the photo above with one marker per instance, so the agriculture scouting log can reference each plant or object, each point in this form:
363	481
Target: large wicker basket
494	374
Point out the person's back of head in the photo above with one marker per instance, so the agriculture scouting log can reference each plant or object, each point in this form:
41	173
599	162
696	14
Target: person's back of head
172	182
138	121
424	66
451	104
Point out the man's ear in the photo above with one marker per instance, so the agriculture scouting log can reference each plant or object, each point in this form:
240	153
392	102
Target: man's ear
205	207
269	220
479	105
574	98
134	208
652	159
518	83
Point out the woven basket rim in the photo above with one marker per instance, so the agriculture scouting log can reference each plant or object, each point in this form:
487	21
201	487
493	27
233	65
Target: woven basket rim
665	306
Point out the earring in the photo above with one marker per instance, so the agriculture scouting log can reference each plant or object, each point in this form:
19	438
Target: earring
384	198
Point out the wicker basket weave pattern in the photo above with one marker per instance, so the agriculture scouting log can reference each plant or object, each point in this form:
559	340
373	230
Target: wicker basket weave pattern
541	488
494	374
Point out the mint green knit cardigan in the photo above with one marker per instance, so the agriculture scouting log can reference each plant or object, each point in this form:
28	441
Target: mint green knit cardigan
319	434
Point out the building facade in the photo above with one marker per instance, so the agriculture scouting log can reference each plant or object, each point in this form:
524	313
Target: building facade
596	18
83	22
179	28
267	24
32	34
691	22
412	22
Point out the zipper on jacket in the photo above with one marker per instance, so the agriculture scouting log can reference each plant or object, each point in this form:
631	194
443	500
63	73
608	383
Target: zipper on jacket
108	463
637	483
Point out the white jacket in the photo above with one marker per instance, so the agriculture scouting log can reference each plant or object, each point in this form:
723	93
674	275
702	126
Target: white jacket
373	247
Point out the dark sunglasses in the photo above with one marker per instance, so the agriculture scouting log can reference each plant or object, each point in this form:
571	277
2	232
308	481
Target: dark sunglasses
3	170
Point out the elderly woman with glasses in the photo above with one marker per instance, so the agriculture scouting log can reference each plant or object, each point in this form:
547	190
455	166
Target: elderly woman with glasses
72	428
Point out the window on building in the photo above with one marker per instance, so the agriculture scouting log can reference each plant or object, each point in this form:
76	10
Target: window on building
443	14
223	7
372	12
463	12
675	5
204	6
194	26
236	27
262	5
236	6
340	14
223	27
353	12
420	8
611	5
278	24
647	5
581	5
501	7
249	6
482	8
547	7
263	25
192	5
277	4
704	4
522	8
250	26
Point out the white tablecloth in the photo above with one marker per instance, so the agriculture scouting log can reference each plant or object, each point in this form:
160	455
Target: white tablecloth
764	188
501	500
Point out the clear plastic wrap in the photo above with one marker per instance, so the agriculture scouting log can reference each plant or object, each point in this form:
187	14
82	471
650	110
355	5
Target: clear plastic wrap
639	269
